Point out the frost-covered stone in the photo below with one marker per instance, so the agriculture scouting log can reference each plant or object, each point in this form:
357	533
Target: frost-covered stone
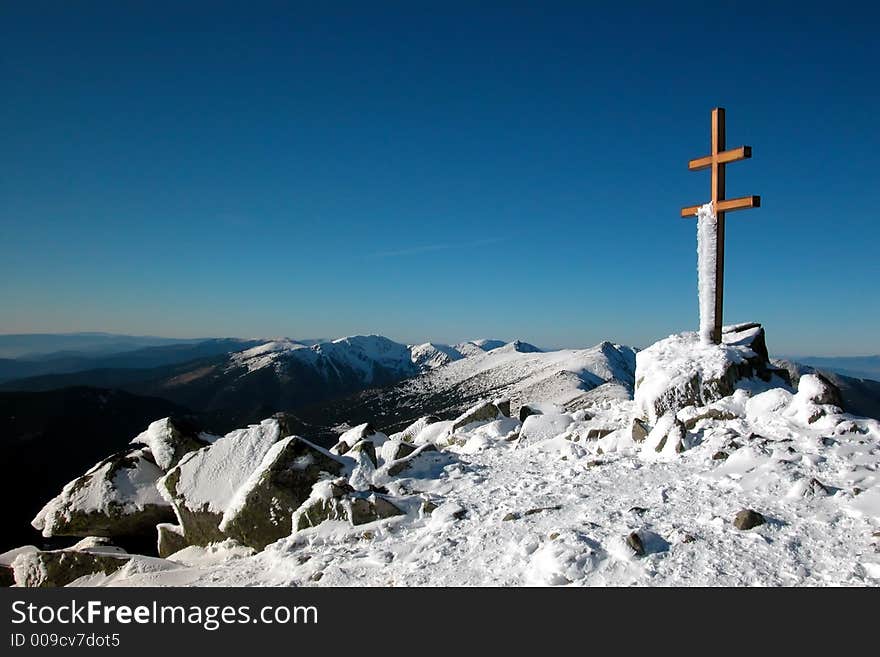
350	438
262	509
482	412
170	539
61	567
409	434
116	497
682	371
170	440
204	483
544	426
748	519
336	501
638	430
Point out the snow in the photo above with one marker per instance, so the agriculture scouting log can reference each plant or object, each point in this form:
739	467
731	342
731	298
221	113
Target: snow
707	244
556	512
210	477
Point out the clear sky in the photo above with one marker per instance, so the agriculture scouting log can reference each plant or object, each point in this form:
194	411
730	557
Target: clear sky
436	170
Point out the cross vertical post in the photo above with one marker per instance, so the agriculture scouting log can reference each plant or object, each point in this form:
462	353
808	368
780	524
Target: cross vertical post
718	180
717	160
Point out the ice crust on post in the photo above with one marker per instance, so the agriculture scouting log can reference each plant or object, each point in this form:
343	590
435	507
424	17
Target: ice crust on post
707	236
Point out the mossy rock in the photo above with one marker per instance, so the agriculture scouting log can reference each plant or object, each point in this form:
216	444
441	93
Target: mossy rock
61	567
170	539
120	513
201	525
264	511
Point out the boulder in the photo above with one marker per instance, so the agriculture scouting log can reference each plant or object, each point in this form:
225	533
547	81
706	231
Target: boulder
355	435
485	411
544	426
401	465
170	539
525	411
170	440
634	542
690	419
819	389
366	448
638	430
326	502
337	501
116	497
204	483
747	519
409	434
61	567
681	371
262	510
503	406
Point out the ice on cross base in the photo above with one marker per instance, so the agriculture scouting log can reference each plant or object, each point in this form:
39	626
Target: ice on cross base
707	244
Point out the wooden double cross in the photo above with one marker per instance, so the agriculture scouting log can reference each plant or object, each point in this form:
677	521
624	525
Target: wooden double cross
716	160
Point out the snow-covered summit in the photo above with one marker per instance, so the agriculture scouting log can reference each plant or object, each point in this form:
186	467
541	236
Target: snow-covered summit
762	483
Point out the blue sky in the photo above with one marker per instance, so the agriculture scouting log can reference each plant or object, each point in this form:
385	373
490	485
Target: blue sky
435	170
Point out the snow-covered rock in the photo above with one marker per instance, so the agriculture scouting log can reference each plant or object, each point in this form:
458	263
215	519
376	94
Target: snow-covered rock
362	432
61	567
116	497
170	440
262	509
204	483
682	370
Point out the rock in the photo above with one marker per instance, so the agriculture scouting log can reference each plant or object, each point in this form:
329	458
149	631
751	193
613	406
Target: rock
355	435
638	430
395	450
61	567
116	497
365	447
690	420
204	483
544	426
747	519
481	412
595	434
680	371
525	411
635	544
503	406
399	466
688	538
811	487
427	508
170	440
720	456
170	539
263	507
541	509
667	436
409	434
819	389
325	503
510	516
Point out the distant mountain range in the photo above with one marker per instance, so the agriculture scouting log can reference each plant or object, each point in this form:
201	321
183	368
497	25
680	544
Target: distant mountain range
33	346
859	367
230	382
